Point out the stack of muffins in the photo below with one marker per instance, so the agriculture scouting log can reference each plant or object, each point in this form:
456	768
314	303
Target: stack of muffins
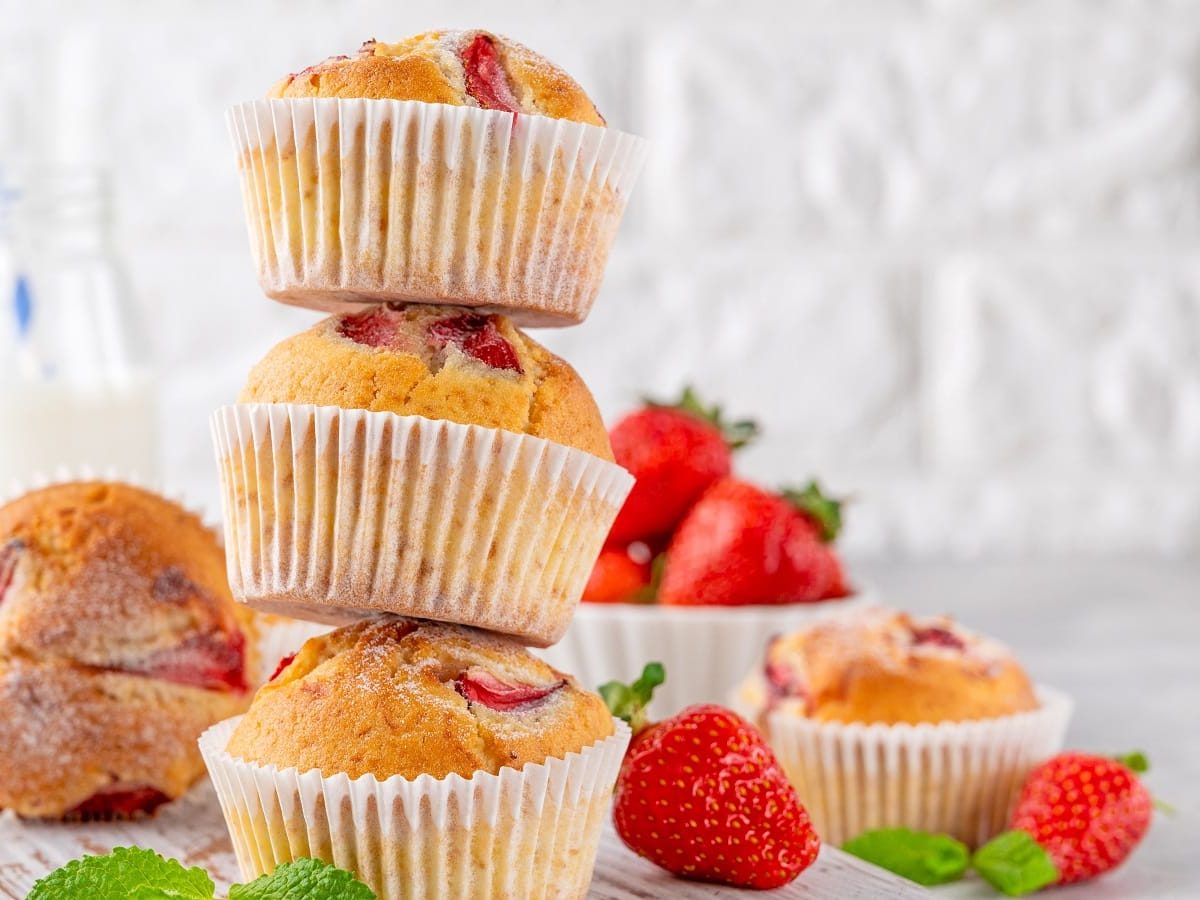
419	470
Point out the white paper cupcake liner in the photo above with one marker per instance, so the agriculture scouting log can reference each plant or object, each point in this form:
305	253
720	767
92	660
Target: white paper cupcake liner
529	833
706	649
960	778
351	201
331	514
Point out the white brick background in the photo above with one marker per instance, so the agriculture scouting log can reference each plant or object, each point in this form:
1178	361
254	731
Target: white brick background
946	251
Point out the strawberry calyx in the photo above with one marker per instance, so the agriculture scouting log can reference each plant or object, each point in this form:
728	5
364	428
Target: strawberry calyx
823	511
1134	761
737	433
629	701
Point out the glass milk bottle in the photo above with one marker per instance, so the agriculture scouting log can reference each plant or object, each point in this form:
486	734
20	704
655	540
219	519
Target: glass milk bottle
76	386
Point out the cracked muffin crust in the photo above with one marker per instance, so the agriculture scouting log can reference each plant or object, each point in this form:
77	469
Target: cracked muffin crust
119	644
438	362
397	696
460	68
880	665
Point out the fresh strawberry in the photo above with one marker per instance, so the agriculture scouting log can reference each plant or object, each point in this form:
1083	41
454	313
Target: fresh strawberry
702	795
621	575
1087	812
675	451
741	544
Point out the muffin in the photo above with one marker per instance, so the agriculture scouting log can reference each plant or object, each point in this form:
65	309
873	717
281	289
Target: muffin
432	760
885	666
437	362
452	167
884	720
418	460
119	644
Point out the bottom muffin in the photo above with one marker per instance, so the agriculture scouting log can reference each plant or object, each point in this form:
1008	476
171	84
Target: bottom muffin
431	760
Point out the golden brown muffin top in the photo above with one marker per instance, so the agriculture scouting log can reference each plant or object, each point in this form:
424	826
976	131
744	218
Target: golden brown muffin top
394	696
880	665
460	68
103	575
440	362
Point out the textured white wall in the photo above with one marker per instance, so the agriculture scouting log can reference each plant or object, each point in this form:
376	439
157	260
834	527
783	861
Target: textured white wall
946	251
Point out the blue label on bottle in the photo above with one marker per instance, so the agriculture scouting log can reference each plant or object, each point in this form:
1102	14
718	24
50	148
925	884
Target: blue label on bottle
23	306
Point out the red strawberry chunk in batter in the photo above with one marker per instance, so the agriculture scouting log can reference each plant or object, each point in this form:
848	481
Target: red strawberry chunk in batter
9	555
940	637
124	803
215	662
480	686
487	81
477	336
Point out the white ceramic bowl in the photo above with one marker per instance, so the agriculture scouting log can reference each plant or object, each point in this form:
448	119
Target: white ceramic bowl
707	650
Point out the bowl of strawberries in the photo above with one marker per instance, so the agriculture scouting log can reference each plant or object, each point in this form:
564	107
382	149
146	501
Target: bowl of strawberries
701	568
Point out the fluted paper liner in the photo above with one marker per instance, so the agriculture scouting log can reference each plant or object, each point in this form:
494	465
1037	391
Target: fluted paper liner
961	778
332	513
352	200
530	833
706	649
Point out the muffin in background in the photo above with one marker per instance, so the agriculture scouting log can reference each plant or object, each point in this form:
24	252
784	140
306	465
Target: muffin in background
880	665
884	720
119	644
453	167
432	760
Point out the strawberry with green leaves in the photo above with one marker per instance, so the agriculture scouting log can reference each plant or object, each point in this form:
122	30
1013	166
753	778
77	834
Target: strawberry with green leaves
621	575
741	544
702	795
675	451
1087	812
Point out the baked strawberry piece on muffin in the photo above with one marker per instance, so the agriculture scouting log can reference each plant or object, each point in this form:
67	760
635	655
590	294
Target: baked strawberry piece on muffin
881	665
431	760
452	167
119	644
438	362
886	720
461	68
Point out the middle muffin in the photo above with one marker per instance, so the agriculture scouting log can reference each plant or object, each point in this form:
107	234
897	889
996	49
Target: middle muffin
422	460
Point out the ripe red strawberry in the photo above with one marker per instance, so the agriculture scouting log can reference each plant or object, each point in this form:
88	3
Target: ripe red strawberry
674	451
1087	812
621	575
741	544
702	795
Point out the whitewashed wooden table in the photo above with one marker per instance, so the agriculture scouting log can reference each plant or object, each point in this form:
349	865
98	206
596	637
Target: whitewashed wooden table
193	832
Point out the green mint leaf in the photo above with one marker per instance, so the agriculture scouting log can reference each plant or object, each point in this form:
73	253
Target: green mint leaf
1136	761
629	701
304	879
128	873
1015	864
919	856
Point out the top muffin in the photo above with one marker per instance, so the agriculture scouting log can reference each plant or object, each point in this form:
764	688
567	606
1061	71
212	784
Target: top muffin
460	68
438	362
880	665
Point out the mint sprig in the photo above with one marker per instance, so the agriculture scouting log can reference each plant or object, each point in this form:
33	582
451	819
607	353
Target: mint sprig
1015	864
311	879
128	873
925	858
134	873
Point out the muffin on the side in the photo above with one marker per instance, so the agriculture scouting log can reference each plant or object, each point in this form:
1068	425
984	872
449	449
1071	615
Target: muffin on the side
119	644
885	666
430	759
886	720
451	167
423	460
